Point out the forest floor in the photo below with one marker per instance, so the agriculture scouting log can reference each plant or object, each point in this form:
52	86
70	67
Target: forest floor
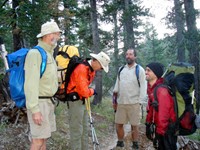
15	136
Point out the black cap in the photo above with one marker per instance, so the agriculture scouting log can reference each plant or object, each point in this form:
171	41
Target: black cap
157	68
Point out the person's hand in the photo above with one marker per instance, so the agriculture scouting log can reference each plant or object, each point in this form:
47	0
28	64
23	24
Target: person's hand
95	93
114	101
155	142
115	107
37	118
149	131
171	129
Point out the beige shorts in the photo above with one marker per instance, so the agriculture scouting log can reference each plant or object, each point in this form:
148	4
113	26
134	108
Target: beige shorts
128	113
48	125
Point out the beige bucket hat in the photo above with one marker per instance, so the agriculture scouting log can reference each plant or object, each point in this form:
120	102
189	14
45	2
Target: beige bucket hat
103	59
47	28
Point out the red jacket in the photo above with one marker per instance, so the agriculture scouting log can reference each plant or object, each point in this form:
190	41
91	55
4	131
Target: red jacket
80	80
165	113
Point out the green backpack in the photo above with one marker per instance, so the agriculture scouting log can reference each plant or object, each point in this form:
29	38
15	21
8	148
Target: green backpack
179	80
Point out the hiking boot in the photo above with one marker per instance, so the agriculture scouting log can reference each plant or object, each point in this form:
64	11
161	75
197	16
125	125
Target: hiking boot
135	146
120	144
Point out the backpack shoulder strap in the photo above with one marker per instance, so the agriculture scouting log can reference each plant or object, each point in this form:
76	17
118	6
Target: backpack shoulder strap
155	102
137	71
76	61
170	92
156	88
44	59
85	62
120	69
64	53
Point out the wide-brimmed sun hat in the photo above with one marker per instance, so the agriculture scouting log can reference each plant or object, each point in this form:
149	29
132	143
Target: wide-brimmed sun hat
48	28
103	59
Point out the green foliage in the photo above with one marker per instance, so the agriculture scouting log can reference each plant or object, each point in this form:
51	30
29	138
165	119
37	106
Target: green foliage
108	82
3	127
1	76
61	136
104	109
29	17
1	63
75	20
195	136
153	49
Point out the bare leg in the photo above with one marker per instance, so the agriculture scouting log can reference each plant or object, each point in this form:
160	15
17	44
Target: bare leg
38	144
135	136
135	133
120	131
44	146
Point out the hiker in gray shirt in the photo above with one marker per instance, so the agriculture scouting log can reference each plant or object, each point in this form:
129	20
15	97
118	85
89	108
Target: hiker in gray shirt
128	94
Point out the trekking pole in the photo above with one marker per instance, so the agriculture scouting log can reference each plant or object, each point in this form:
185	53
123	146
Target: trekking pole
142	111
94	136
114	102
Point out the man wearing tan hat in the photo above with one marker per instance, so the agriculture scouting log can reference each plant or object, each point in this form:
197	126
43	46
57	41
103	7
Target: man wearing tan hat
78	86
39	90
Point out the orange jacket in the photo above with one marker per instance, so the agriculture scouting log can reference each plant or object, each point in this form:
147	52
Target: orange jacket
80	80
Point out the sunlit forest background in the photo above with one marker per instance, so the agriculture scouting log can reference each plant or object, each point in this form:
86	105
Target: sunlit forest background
111	26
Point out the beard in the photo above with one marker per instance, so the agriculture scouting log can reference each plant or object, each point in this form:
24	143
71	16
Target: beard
129	61
54	42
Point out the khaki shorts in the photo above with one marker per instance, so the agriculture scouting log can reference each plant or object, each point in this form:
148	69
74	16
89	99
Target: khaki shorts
48	125
128	113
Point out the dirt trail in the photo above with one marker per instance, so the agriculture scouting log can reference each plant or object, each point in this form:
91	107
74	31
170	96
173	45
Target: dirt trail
16	136
145	144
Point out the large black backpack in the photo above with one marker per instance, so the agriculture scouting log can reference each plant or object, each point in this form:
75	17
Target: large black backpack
61	94
179	80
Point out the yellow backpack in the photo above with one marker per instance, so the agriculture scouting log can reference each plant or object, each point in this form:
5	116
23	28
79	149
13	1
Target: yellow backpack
64	55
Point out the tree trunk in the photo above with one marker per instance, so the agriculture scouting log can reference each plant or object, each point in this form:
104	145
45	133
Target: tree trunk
116	49
128	26
96	41
192	38
17	37
180	30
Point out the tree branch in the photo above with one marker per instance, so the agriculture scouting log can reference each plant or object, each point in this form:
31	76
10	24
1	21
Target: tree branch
4	3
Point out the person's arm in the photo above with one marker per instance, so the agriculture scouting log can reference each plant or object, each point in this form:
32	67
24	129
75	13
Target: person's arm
32	77
143	86
149	109
116	87
81	74
165	102
149	120
114	101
